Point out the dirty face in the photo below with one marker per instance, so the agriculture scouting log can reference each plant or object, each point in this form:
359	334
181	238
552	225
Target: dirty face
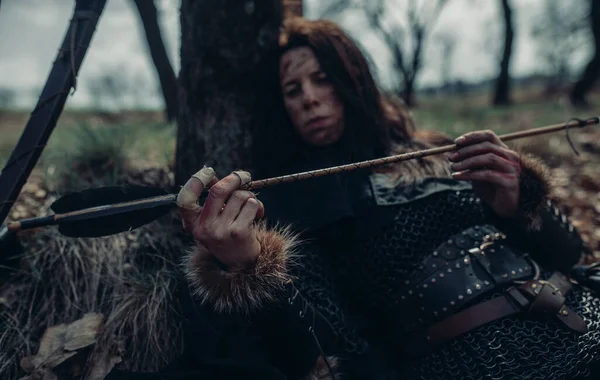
310	99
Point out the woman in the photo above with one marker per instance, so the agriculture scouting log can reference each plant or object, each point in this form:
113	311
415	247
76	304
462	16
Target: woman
424	269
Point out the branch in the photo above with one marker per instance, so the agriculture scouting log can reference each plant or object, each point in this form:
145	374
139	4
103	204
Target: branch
419	34
337	6
389	37
419	27
166	75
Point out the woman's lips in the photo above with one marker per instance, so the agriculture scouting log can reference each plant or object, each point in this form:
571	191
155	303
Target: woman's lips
317	122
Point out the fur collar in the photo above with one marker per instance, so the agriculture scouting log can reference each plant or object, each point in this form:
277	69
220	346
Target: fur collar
407	172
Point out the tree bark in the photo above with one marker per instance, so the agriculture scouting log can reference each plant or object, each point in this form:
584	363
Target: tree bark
222	45
408	93
592	70
166	75
502	91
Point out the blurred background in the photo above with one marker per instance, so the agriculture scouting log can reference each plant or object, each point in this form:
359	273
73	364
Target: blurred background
139	116
463	42
459	65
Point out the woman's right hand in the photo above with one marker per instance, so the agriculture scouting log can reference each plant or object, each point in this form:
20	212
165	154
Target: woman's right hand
225	224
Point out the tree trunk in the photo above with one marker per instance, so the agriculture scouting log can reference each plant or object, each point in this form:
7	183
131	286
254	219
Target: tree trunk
222	44
166	75
408	93
502	91
592	70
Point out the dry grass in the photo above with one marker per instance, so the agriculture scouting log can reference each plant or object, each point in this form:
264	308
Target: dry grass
130	278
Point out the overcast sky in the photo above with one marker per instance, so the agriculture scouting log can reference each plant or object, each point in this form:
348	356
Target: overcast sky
32	30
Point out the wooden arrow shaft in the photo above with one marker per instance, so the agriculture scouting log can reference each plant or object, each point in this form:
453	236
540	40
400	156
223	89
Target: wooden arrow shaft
411	155
119	208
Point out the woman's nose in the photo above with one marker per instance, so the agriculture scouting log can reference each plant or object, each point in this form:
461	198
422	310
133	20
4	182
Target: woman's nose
309	96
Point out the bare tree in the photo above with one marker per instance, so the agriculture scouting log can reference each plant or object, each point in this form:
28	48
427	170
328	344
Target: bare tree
8	97
166	76
403	25
558	31
108	88
447	41
120	87
592	70
222	45
502	88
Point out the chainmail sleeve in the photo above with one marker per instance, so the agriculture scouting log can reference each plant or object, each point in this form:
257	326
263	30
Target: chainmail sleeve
316	285
555	244
540	227
315	318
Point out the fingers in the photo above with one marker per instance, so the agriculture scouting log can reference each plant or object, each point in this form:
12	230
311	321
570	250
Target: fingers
478	137
222	206
218	195
234	205
246	217
221	192
482	148
261	210
189	193
490	161
482	156
188	218
505	180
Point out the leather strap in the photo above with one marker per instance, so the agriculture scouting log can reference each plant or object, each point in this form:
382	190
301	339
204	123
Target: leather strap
534	297
471	318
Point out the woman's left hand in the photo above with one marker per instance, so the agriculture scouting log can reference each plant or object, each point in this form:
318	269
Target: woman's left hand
493	168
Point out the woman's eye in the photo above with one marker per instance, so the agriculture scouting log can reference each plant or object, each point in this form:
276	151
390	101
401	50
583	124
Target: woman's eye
292	91
322	77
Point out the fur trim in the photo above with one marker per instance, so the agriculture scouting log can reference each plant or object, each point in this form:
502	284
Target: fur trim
407	172
321	370
535	189
243	290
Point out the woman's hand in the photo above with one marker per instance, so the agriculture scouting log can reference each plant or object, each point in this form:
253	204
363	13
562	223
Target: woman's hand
224	225
493	168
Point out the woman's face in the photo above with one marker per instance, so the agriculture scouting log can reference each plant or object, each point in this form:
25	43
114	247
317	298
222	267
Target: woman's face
310	99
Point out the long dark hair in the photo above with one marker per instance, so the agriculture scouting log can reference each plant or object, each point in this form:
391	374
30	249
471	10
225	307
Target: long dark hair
373	122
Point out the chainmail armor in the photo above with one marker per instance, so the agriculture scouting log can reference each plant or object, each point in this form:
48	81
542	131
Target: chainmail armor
371	277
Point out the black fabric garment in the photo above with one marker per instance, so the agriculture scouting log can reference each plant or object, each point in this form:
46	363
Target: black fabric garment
216	347
314	203
225	369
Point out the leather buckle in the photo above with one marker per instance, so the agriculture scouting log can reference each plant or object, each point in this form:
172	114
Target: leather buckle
548	298
484	245
538	289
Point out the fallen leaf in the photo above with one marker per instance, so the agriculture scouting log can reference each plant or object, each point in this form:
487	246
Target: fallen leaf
102	364
60	343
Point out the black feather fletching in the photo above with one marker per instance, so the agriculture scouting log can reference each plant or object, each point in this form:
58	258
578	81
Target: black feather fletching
110	220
